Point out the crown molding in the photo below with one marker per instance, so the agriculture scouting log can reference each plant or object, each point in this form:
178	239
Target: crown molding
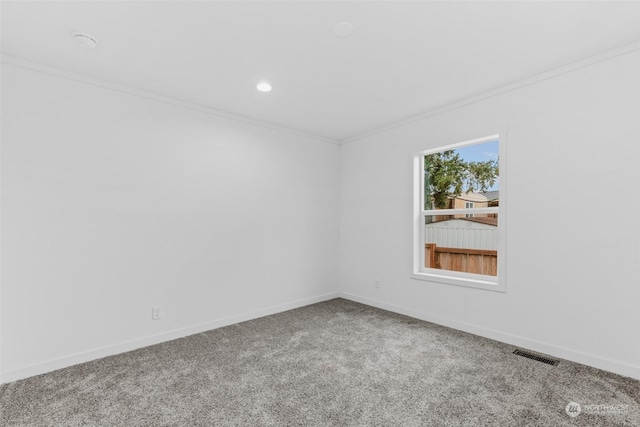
610	54
35	66
116	87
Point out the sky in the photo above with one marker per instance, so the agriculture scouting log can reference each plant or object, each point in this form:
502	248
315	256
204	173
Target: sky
480	153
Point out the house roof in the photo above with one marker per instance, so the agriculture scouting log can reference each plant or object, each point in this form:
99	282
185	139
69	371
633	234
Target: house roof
491	195
470	197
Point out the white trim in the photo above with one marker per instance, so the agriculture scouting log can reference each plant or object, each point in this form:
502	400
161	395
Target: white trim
556	351
467	100
79	78
516	340
462	211
86	356
466	143
613	53
502	210
456	278
418	255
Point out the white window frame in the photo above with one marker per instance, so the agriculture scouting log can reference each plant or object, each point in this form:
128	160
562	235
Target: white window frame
479	281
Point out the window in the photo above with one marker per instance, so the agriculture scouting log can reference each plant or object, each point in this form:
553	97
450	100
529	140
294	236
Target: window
468	205
459	214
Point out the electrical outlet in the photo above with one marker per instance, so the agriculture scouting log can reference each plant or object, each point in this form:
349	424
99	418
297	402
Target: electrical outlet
376	284
156	312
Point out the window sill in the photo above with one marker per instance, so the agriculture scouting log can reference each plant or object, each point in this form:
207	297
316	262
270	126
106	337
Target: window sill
469	282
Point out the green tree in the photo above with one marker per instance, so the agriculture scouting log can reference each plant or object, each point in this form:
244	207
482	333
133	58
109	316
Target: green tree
447	174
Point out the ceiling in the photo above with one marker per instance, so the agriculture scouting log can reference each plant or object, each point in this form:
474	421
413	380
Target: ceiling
402	59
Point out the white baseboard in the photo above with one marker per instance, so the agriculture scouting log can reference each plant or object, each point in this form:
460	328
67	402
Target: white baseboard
74	359
552	350
86	356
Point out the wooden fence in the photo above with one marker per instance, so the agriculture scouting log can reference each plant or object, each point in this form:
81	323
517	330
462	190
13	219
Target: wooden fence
478	261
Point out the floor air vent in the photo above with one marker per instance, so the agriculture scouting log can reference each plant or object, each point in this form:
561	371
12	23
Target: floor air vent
533	356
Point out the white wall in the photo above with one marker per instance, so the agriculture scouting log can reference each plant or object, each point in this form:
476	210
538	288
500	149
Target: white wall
573	282
113	203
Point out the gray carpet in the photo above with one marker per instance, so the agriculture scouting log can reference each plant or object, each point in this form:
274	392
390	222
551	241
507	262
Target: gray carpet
336	363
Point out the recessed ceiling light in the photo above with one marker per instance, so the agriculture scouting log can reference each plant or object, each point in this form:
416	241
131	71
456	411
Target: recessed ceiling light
343	29
264	87
85	40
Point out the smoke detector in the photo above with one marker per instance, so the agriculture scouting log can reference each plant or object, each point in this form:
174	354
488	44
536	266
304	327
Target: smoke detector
85	40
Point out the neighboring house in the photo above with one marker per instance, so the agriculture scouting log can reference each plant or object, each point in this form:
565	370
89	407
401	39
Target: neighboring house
468	201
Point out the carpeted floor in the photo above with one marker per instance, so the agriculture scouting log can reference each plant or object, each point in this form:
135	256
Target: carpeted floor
336	363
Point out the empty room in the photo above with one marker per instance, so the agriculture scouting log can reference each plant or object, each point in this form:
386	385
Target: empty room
320	213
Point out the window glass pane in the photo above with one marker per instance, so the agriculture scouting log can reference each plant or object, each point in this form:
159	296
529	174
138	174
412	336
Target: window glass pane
465	242
463	177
